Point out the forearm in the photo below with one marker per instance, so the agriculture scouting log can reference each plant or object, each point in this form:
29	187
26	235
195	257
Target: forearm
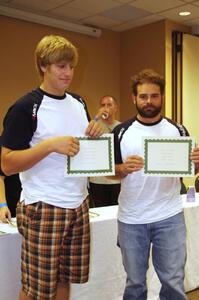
195	158
15	161
196	168
120	171
5	215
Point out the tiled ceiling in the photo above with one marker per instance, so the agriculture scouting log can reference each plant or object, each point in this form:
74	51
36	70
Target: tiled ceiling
116	15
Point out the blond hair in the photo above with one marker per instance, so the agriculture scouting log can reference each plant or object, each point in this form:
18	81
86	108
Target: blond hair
53	49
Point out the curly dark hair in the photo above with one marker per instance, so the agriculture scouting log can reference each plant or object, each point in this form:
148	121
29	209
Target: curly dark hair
147	76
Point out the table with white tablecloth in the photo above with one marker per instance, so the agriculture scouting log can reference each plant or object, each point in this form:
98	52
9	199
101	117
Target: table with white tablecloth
107	276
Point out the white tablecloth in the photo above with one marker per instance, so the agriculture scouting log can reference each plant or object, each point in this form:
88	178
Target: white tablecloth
107	277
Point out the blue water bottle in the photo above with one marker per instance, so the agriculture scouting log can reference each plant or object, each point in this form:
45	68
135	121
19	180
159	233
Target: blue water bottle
191	194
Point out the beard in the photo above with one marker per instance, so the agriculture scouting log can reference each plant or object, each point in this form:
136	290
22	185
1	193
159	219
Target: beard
149	111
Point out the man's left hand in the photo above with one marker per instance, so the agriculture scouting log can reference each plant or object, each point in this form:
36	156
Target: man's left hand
195	158
94	129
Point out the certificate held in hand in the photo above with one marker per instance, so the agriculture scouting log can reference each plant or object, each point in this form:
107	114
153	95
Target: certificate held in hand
165	156
95	158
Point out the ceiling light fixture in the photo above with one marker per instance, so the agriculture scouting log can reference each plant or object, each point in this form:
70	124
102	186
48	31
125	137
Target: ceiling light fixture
23	15
184	13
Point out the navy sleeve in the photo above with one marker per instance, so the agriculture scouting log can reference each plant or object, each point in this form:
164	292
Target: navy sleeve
19	123
1	172
186	131
116	131
181	128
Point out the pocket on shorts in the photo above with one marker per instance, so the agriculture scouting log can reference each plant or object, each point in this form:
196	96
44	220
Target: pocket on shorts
27	214
33	213
20	214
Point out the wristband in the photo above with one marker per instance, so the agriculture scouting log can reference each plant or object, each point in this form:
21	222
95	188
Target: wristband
3	204
96	119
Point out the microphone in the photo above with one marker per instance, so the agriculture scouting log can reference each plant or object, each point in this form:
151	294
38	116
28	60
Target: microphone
105	115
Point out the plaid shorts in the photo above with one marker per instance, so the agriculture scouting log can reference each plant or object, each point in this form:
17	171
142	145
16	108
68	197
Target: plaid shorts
55	247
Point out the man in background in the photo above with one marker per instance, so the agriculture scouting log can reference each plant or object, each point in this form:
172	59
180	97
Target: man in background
10	189
102	190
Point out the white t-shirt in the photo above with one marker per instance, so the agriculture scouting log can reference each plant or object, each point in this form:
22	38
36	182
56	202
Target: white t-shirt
146	199
34	118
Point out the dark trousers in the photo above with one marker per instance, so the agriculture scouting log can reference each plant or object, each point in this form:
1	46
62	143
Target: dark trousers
12	207
103	194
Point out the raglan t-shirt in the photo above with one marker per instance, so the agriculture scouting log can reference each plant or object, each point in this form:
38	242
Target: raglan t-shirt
34	118
146	199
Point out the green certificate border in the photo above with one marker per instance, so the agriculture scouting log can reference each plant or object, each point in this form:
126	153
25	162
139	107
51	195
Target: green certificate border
147	141
90	172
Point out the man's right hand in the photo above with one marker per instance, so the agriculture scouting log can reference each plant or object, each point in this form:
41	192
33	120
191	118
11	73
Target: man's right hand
132	164
67	145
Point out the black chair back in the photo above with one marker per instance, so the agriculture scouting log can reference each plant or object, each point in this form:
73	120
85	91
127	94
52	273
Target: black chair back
183	189
197	184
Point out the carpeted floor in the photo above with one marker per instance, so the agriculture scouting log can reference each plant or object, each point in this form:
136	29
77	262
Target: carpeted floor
194	295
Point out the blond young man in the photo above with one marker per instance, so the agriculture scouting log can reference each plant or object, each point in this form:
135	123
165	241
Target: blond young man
40	129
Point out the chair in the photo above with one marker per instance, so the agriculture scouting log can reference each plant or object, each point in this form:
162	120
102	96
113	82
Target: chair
183	189
197	184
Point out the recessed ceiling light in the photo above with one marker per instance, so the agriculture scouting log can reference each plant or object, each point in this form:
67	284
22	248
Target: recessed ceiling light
184	13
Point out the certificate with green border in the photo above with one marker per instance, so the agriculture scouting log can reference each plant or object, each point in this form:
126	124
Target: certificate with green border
168	156
95	158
